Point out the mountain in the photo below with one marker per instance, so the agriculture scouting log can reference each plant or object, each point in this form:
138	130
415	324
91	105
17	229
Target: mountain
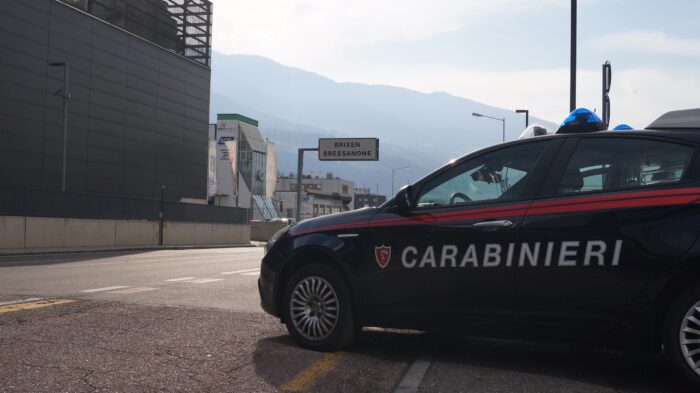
296	107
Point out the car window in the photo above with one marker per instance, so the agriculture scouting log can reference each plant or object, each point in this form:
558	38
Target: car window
608	164
498	175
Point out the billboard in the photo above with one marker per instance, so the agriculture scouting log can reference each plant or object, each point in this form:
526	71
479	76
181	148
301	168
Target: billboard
211	173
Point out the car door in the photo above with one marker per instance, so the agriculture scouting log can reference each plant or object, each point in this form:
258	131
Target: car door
450	252
614	212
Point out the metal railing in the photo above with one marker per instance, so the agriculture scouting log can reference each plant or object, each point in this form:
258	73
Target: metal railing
48	203
183	26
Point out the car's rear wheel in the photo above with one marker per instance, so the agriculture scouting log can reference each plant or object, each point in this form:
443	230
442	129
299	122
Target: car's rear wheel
317	309
681	335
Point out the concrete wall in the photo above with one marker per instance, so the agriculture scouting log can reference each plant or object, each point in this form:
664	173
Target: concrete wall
262	231
47	232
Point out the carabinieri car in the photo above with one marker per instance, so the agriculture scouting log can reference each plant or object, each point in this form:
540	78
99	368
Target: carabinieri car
581	238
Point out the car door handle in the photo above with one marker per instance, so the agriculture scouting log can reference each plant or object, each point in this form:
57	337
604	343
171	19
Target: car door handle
493	224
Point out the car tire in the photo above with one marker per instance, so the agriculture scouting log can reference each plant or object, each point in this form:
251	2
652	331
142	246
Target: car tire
317	309
677	329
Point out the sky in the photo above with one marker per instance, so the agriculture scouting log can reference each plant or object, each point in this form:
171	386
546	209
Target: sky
507	53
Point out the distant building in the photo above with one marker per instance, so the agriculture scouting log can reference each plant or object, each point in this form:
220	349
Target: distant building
320	195
241	174
365	198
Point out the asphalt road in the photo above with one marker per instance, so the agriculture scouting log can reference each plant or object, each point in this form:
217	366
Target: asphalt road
189	320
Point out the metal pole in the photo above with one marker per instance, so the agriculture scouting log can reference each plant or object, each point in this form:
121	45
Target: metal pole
393	170
160	215
300	169
504	129
66	97
572	90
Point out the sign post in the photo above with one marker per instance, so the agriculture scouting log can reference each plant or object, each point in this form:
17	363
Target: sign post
300	169
337	149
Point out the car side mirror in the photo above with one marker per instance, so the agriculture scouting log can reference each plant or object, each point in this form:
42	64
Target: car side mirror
404	198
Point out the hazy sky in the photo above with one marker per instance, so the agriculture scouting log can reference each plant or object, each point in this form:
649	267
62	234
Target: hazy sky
508	53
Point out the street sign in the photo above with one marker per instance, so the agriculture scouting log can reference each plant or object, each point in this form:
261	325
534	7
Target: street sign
348	149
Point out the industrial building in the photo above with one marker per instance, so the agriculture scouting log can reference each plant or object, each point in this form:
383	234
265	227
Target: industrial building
240	165
138	82
320	195
365	198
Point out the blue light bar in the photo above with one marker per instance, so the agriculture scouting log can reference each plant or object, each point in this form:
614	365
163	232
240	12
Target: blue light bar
581	120
622	127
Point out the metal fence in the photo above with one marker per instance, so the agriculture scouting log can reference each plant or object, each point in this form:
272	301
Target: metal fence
183	26
47	203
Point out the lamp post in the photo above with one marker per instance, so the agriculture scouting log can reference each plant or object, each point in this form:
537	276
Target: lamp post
66	97
572	72
502	120
392	176
527	116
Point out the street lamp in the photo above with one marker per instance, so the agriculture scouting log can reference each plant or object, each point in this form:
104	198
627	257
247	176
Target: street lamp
572	65
502	120
392	176
66	97
527	116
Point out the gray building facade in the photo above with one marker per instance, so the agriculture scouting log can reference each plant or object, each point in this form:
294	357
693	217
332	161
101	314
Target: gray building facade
138	112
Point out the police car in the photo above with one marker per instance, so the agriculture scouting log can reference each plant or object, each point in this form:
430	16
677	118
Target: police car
588	238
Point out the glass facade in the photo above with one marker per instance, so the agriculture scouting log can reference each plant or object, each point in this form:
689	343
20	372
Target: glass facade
252	165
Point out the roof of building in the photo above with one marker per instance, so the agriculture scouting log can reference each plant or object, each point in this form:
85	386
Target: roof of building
236	116
254	138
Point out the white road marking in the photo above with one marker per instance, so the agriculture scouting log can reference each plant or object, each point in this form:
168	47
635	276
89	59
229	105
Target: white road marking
134	290
180	279
206	280
29	299
257	269
251	274
104	289
414	376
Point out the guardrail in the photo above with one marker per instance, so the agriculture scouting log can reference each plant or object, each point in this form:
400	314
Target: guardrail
49	203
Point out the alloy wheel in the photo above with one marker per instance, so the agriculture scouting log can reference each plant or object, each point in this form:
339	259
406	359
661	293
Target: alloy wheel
690	337
314	308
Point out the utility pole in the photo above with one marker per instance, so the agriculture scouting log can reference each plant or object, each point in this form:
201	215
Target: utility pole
572	87
66	97
393	171
300	170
